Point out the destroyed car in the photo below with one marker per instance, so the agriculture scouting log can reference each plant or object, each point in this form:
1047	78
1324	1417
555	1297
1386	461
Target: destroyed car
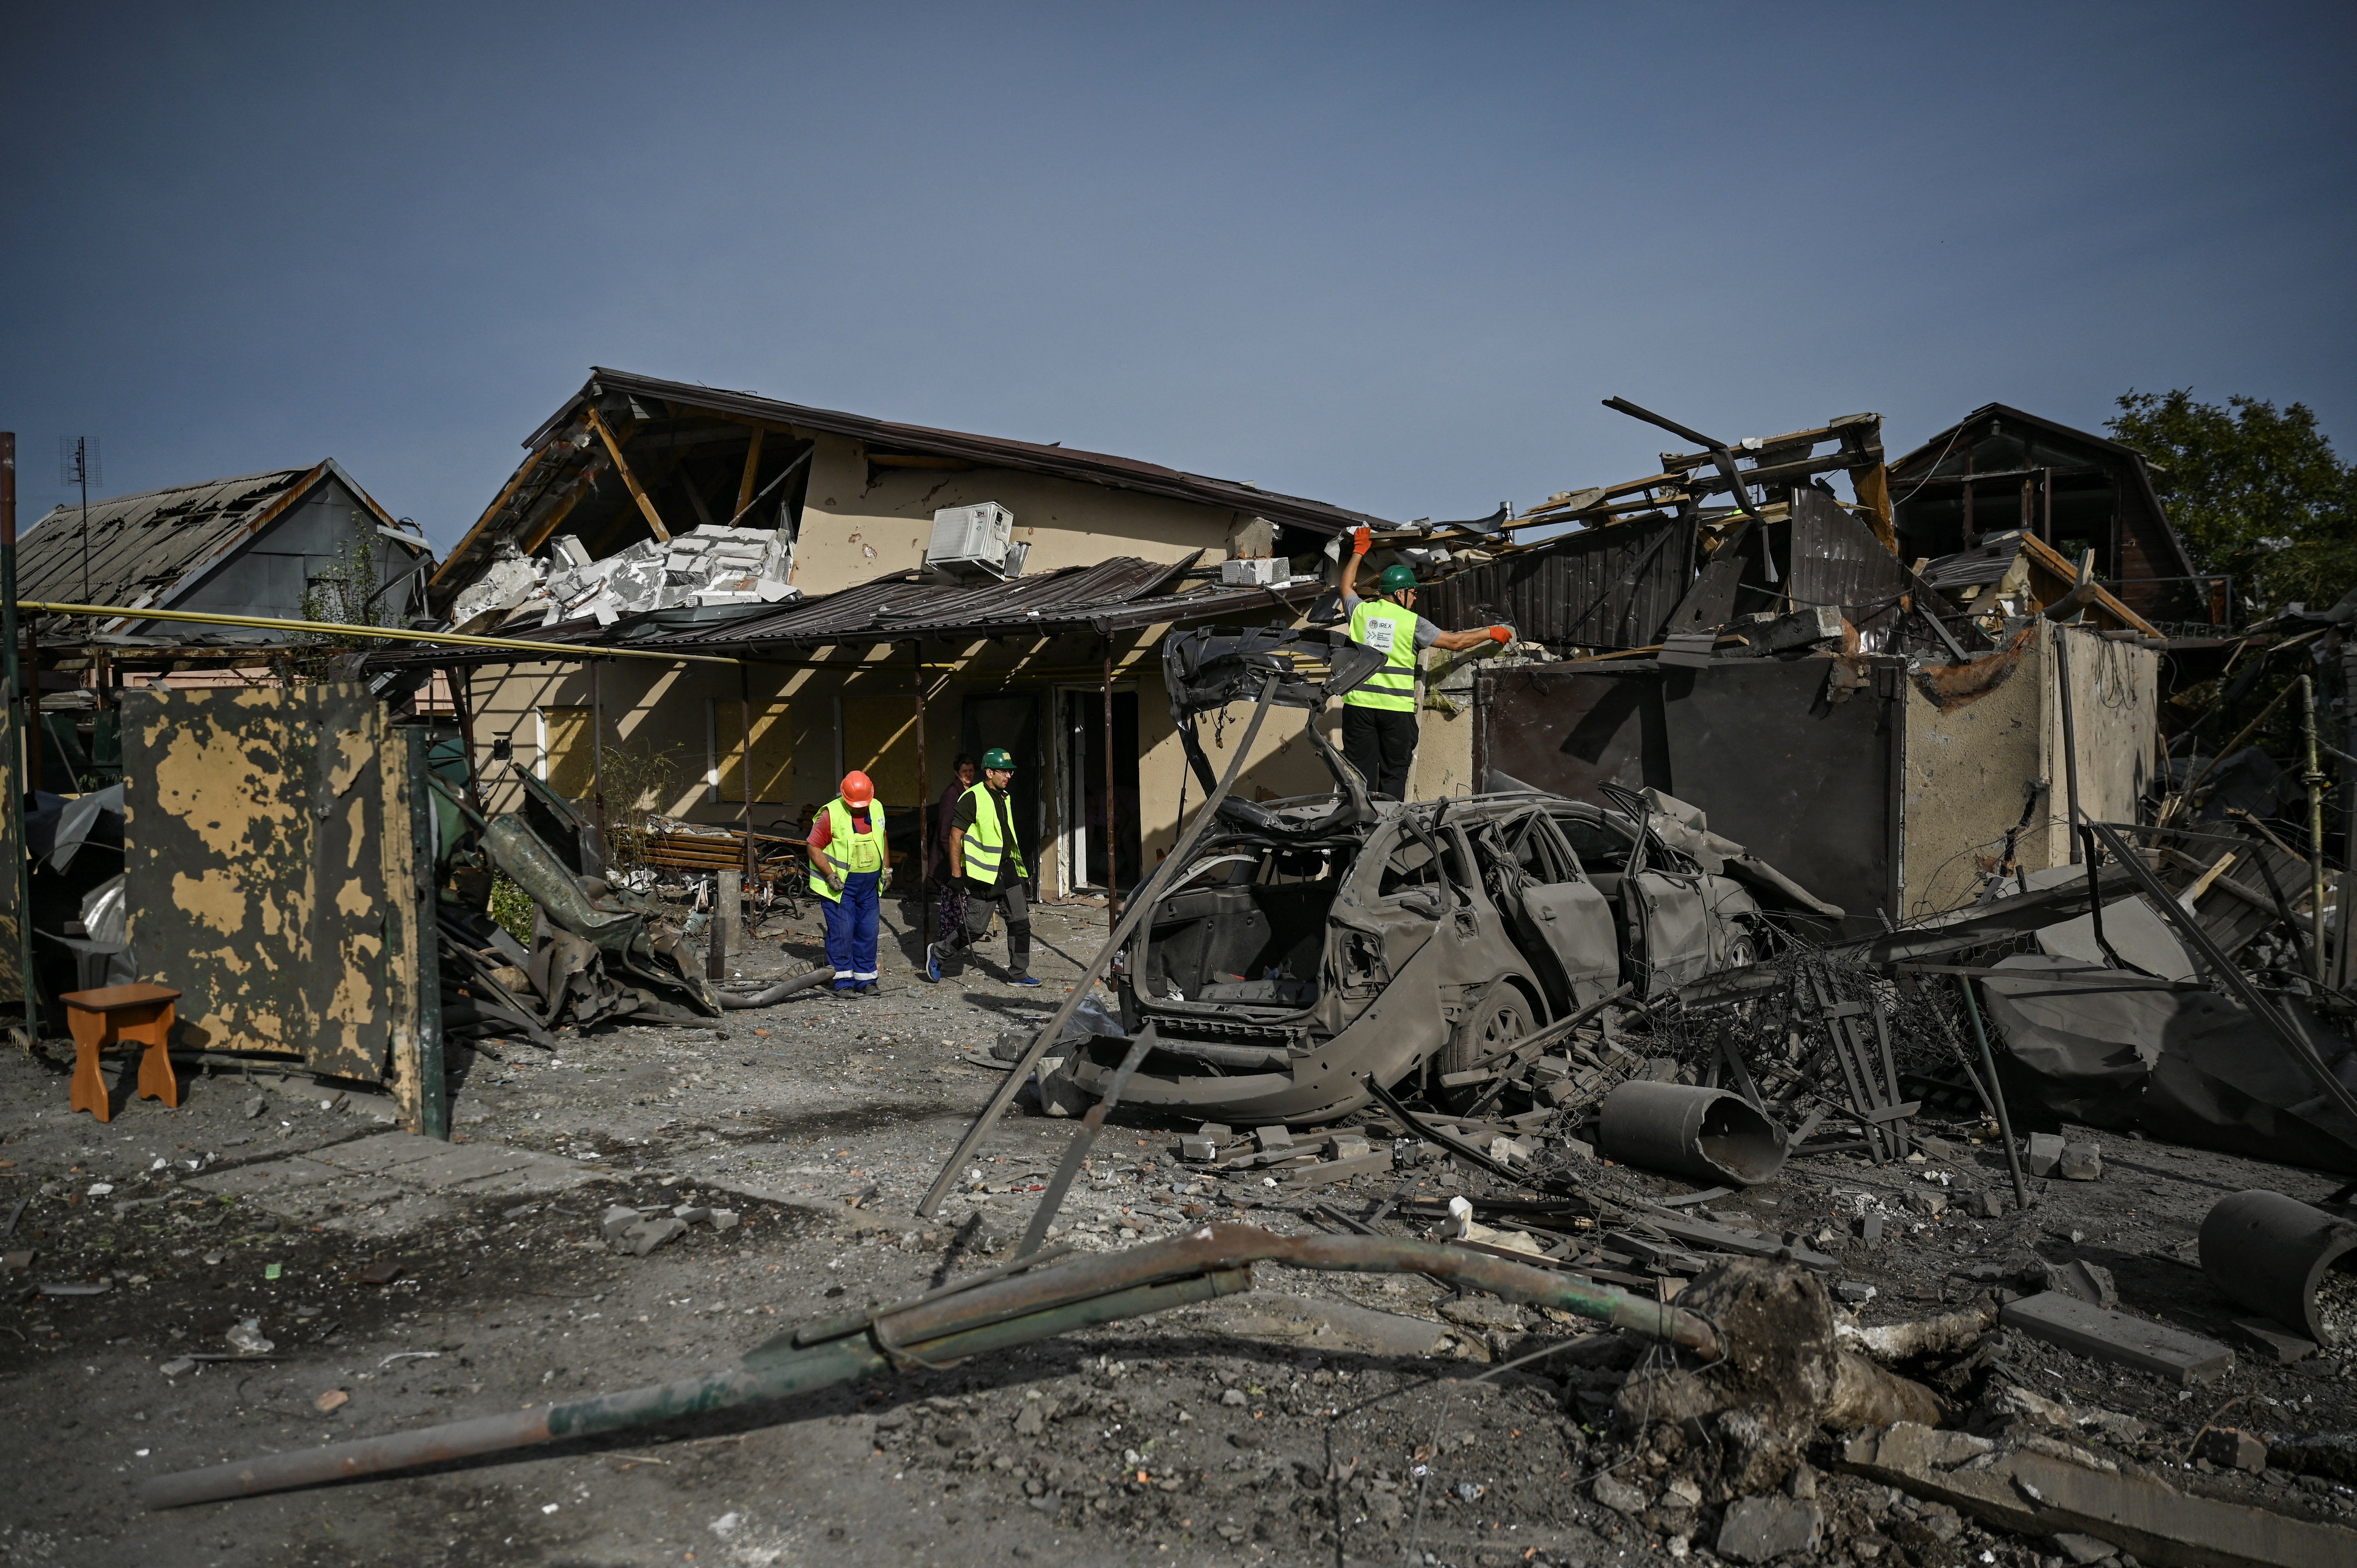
1311	943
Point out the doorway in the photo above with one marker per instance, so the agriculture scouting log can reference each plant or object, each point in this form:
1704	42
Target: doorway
1082	752
1012	721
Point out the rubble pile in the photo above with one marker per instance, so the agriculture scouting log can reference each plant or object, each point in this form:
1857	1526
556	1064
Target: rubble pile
705	566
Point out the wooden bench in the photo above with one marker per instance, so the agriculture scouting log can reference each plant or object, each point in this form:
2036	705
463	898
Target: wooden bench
137	1015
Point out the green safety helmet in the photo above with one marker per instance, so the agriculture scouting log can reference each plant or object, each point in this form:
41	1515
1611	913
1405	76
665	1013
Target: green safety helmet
1395	578
999	756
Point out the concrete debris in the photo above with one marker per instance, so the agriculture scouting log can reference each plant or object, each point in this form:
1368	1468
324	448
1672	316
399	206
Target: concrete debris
1762	1529
2116	1337
708	567
2031	1491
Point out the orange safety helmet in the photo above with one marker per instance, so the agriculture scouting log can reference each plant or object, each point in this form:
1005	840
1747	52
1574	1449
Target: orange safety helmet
857	789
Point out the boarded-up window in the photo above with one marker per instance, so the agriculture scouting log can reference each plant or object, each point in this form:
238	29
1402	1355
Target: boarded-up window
571	762
773	752
879	739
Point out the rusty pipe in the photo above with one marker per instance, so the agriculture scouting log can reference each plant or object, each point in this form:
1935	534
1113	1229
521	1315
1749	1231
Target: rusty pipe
1000	1313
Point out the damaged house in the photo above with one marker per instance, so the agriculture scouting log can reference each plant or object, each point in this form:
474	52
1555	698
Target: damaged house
898	594
1874	692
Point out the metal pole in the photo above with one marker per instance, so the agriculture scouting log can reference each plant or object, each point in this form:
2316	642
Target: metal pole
33	738
925	803
2347	815
2312	775
460	677
1188	836
1111	813
745	767
1997	1098
598	749
16	780
2069	731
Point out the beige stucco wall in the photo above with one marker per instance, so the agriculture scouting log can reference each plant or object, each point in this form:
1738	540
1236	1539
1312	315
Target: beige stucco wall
650	708
1966	762
853	530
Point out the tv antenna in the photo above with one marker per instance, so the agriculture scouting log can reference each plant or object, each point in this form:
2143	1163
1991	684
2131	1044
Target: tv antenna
77	463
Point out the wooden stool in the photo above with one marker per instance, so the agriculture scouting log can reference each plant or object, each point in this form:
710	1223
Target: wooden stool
122	1015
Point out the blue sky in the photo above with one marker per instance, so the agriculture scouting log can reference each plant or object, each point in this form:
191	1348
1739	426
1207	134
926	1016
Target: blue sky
1389	256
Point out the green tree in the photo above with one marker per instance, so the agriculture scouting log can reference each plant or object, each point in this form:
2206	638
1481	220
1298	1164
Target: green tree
2253	490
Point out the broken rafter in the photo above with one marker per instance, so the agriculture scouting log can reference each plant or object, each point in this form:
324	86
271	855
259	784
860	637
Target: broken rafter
629	480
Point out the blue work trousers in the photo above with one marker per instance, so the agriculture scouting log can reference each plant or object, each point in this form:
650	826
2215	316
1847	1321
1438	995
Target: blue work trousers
851	925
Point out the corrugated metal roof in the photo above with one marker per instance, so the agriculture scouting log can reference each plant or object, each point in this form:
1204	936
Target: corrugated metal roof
1112	595
153	547
144	543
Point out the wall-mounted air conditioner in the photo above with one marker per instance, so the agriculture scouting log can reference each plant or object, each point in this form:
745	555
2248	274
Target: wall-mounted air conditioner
975	541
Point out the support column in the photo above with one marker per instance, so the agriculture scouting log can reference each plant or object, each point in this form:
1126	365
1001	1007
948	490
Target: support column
1112	810
15	778
924	802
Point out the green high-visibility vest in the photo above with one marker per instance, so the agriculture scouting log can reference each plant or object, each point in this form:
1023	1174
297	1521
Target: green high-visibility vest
986	847
847	851
1381	624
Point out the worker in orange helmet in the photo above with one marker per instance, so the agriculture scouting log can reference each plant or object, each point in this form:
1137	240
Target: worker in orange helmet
846	859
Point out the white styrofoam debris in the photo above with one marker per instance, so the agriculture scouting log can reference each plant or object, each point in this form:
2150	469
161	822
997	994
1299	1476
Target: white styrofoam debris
706	565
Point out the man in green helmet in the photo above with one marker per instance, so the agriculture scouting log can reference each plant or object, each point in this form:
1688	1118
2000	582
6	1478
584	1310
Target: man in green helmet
1379	716
985	856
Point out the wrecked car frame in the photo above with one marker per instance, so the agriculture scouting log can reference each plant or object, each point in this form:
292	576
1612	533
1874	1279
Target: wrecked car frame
1309	942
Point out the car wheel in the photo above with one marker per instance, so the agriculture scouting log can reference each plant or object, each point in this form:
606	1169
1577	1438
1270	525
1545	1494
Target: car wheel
1496	1020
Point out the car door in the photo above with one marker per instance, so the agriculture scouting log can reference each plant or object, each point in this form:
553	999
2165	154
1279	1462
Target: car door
1563	921
1666	907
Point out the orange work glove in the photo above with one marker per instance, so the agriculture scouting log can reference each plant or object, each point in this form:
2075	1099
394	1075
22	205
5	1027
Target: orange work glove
1501	634
1363	540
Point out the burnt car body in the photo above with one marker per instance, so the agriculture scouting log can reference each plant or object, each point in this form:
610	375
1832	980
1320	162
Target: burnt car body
1311	942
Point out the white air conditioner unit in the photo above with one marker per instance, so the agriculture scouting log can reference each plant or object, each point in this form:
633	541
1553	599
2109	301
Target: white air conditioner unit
972	541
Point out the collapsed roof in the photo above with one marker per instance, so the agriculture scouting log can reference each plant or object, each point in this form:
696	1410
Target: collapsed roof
628	453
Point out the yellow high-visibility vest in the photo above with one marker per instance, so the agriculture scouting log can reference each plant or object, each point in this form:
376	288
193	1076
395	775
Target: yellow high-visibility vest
848	852
986	849
1390	628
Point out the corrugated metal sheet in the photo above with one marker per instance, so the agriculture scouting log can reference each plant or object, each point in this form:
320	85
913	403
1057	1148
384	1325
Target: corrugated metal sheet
1604	587
1836	560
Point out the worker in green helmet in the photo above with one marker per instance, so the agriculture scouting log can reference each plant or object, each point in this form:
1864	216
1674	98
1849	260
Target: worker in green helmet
1379	716
985	856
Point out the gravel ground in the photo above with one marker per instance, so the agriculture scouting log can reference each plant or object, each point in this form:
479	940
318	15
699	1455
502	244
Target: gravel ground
1239	1432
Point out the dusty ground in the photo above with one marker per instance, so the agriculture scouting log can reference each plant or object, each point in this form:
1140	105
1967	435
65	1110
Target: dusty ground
1232	1434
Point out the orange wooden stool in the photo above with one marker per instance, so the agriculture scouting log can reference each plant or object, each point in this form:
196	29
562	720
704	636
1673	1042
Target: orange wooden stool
122	1015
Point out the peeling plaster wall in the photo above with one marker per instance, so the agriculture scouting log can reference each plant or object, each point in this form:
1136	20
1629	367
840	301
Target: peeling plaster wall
269	870
1974	744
